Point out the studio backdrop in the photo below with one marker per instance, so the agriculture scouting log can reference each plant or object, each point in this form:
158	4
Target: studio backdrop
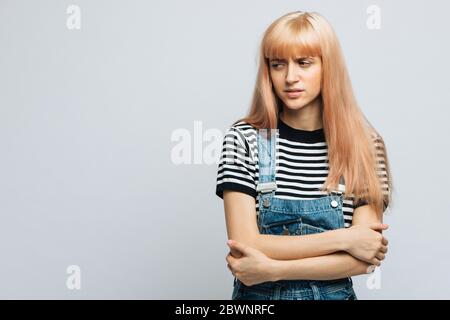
112	118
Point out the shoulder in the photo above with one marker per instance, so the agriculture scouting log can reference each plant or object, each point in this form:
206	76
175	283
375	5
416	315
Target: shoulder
377	141
244	132
242	135
244	128
375	136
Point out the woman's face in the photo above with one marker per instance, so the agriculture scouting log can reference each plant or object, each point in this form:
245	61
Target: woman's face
304	73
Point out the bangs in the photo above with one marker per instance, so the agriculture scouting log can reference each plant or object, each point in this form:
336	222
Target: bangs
292	40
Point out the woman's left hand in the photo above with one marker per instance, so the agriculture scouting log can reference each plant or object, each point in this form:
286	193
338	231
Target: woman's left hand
248	264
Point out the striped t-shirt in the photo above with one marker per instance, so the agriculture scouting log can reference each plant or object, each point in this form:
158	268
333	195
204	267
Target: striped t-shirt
301	165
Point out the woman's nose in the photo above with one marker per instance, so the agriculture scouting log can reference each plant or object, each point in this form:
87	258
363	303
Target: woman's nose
292	75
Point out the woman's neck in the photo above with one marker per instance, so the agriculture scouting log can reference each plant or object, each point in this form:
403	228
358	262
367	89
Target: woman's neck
307	118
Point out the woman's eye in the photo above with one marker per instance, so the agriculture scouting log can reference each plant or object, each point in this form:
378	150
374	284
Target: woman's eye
302	63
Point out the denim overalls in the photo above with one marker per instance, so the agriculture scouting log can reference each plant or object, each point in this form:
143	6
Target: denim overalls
293	217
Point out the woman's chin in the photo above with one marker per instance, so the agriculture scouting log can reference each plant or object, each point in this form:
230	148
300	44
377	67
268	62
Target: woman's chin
294	106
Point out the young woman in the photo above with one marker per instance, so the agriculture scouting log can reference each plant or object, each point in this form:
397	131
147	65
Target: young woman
304	176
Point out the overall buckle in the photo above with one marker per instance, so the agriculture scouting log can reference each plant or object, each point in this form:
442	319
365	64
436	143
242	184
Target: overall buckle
266	187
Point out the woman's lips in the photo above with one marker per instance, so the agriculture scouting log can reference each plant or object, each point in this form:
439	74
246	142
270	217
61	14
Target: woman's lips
294	94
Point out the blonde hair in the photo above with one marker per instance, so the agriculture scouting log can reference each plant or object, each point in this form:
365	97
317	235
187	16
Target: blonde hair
351	139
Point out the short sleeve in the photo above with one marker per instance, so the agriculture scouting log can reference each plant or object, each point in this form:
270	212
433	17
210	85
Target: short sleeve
382	173
362	202
237	168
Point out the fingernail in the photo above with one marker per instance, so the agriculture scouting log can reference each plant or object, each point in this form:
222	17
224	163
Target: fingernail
230	242
371	268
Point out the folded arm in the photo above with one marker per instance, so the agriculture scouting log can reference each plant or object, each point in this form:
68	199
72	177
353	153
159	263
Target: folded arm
333	266
240	213
319	256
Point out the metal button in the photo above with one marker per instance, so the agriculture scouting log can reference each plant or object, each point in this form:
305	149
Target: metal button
266	203
334	203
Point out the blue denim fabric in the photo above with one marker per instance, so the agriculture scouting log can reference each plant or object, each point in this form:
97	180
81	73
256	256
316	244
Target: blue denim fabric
339	289
294	217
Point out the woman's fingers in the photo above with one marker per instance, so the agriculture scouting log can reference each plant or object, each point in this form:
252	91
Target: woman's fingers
384	249
385	241
229	266
370	268
380	256
228	258
376	262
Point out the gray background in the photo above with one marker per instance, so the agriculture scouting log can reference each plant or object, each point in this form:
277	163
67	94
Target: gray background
85	135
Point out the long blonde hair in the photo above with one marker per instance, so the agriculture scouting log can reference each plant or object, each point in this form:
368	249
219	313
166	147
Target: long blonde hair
351	139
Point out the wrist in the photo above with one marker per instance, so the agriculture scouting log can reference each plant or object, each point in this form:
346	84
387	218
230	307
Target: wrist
342	239
274	270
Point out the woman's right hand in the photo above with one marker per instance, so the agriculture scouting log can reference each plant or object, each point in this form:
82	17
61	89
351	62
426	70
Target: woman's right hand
366	243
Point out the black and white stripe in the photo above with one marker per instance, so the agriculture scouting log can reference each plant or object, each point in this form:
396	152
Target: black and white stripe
302	165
